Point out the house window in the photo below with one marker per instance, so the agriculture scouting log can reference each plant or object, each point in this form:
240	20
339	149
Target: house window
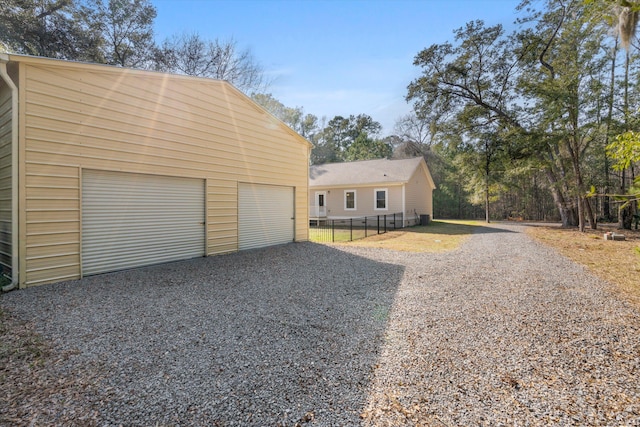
380	195
350	200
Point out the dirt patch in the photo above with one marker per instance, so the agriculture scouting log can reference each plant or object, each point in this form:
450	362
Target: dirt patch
615	261
33	392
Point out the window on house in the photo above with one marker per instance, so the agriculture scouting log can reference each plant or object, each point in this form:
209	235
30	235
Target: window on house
350	200
381	199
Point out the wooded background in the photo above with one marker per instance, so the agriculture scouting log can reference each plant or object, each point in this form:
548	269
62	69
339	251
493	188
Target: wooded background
537	124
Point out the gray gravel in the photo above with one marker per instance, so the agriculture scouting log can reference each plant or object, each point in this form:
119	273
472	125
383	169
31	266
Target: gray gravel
500	332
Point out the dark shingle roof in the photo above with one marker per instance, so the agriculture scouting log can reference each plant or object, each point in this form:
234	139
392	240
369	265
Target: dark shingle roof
363	172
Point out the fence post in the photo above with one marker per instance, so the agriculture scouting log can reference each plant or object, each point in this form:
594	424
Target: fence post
333	231
385	223
378	223
351	229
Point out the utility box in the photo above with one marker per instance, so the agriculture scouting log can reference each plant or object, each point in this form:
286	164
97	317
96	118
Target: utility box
424	219
614	236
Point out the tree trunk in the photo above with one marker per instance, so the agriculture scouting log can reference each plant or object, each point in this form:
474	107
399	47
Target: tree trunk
606	205
580	201
612	82
487	167
590	215
567	216
624	214
486	205
584	207
625	217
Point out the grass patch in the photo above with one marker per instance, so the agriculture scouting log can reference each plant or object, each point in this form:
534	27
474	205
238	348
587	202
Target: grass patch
340	235
439	236
615	261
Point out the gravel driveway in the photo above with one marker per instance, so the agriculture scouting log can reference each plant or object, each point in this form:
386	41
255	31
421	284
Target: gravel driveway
500	332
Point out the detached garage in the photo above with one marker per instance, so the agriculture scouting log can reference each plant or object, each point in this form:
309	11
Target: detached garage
105	168
266	213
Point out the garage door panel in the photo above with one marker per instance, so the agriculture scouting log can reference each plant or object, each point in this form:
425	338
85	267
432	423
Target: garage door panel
265	215
131	220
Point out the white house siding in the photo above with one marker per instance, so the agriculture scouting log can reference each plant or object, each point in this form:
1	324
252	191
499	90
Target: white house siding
77	116
5	177
418	195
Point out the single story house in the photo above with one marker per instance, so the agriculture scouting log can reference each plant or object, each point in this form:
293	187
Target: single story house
105	168
371	188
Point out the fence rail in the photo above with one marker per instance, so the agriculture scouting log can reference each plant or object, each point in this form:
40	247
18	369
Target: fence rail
347	230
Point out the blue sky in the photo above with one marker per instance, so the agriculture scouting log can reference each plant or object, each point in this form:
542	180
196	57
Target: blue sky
333	57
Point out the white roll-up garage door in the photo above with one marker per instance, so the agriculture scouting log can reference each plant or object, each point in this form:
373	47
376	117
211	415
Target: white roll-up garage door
131	220
265	215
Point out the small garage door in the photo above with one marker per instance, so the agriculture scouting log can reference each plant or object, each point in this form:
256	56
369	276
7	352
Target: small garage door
265	215
131	220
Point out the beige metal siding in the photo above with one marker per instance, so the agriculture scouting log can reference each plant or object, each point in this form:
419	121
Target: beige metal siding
131	220
222	216
52	224
5	177
265	215
79	116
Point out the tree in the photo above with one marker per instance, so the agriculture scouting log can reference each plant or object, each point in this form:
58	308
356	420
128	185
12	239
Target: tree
568	47
349	138
626	27
413	135
192	55
305	125
187	54
126	27
625	151
474	80
484	145
538	85
366	148
622	17
49	28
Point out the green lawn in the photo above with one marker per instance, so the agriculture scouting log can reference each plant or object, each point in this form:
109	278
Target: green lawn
438	236
340	235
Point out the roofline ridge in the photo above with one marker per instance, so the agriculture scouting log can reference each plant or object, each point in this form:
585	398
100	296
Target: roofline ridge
367	160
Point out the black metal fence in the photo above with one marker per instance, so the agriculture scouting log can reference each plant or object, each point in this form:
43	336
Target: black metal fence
347	230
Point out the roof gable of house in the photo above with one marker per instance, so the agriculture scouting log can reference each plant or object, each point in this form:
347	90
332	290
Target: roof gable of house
366	172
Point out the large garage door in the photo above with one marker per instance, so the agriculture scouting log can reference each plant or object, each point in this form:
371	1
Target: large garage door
265	215
130	220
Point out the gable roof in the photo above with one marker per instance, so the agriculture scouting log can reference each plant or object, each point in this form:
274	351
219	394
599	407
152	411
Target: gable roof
223	85
366	172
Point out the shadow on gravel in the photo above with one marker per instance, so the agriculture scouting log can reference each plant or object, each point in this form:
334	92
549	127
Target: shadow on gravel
480	229
274	337
454	229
